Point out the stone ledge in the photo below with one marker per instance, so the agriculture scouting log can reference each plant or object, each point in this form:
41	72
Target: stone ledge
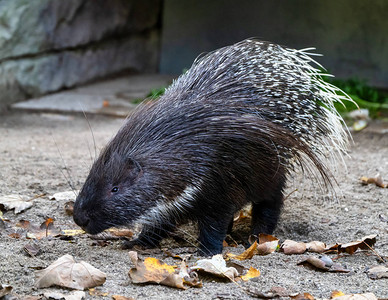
111	97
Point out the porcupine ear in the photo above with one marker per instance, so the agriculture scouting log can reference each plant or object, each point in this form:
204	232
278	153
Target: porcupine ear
134	168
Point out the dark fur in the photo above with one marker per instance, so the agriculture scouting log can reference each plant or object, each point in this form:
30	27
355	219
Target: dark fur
219	142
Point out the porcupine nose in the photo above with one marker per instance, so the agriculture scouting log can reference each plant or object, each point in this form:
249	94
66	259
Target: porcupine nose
80	217
81	220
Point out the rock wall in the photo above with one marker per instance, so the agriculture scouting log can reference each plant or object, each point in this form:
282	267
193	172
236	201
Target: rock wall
352	35
49	45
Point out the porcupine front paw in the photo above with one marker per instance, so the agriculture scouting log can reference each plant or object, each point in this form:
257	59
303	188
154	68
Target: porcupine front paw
138	243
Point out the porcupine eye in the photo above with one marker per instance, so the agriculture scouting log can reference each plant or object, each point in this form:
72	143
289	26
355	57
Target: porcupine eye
115	189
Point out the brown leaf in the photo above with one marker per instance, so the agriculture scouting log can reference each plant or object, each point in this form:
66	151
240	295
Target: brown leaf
15	202
23	224
65	272
366	296
267	244
5	290
315	262
216	266
336	294
247	254
273	293
77	295
120	232
316	246
46	229
118	297
378	272
69	208
32	249
97	293
189	278
378	180
47	224
65	196
252	273
322	264
154	271
292	247
365	243
304	296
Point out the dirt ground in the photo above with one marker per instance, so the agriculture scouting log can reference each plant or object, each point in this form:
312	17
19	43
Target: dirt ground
37	150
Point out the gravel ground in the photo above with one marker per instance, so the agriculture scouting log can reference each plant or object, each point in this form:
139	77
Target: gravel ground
39	153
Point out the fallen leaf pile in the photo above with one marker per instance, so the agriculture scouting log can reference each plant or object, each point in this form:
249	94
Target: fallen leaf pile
25	228
152	270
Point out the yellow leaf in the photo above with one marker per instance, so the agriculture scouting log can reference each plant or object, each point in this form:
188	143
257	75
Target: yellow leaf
252	273
72	232
247	254
335	294
153	264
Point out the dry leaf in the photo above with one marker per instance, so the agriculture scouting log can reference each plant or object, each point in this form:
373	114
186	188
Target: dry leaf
267	244
69	208
304	296
366	243
23	224
72	232
292	247
216	266
45	229
65	196
154	271
118	297
247	254
243	215
252	273
378	272
322	264
77	295
378	180
32	249
316	246
336	294
191	278
273	293
15	202
366	296
120	232
65	272
96	293
5	290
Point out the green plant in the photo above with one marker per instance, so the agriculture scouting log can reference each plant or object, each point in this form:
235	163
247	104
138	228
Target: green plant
364	95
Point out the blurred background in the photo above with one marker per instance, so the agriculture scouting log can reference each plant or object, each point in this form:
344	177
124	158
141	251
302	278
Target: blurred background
48	46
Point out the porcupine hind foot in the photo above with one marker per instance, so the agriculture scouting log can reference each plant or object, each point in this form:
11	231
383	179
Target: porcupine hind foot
266	211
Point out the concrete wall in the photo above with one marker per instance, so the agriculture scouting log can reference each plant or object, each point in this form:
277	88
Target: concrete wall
49	45
352	34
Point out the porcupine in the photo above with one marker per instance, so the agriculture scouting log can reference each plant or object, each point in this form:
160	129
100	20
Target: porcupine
227	132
